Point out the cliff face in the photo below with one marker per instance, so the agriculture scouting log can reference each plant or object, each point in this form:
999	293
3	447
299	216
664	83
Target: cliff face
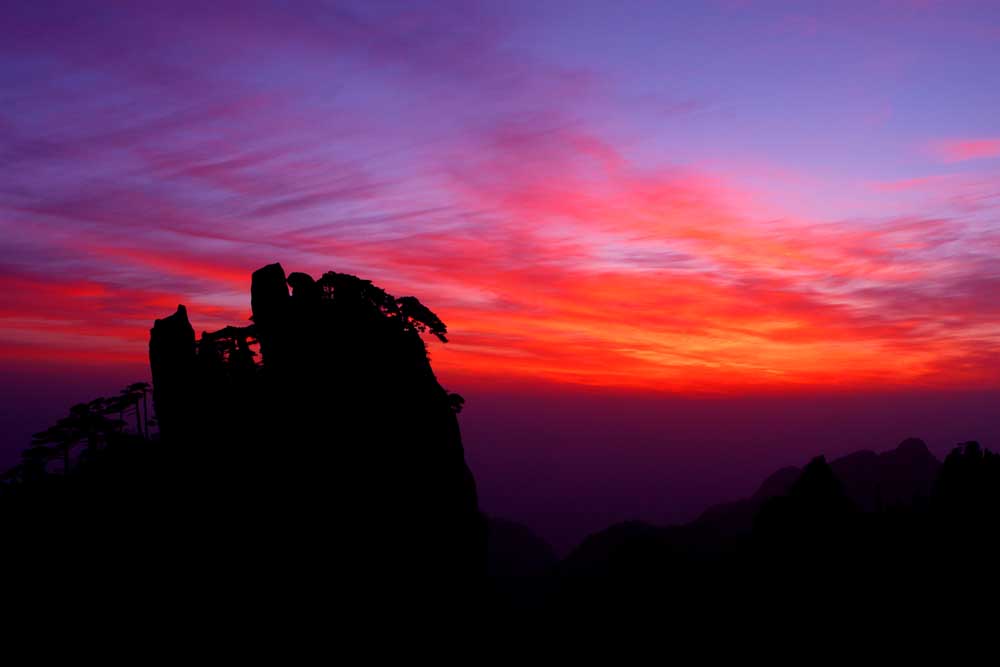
338	442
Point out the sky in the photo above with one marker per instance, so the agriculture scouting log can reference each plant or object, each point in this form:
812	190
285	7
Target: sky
716	200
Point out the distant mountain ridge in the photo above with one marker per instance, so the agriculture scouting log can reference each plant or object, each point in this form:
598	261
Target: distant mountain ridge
513	550
900	477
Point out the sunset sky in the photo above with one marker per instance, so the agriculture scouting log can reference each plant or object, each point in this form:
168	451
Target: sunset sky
714	197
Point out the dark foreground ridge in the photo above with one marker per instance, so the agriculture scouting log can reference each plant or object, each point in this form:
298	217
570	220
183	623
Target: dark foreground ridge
314	449
331	450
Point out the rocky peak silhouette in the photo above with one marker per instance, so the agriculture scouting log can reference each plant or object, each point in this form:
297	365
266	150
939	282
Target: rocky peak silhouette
172	364
312	449
342	419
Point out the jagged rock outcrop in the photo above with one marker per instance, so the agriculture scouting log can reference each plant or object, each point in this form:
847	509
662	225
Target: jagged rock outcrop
340	439
172	365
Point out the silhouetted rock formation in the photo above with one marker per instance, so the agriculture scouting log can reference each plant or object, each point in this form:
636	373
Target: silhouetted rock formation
172	364
343	422
334	459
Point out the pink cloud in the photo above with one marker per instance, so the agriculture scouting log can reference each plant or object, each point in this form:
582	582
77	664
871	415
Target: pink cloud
550	250
960	150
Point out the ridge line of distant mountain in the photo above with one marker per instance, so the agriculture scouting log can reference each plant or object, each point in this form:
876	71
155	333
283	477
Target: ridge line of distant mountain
873	480
899	477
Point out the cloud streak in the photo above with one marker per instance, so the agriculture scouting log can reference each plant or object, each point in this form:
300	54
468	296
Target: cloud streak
961	150
155	161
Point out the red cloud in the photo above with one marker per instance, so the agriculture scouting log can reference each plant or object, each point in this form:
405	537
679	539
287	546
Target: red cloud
548	251
560	261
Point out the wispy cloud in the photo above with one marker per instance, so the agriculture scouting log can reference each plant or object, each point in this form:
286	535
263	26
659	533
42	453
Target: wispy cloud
153	159
962	150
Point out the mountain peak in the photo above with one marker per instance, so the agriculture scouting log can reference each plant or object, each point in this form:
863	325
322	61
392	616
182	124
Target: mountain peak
913	446
778	483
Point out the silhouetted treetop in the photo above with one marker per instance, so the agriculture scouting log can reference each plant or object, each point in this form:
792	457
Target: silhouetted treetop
344	287
969	483
421	318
